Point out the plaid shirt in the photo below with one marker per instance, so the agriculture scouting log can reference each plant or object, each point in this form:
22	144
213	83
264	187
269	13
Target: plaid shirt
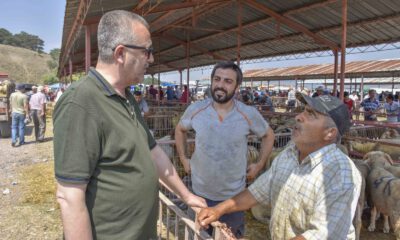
370	105
316	198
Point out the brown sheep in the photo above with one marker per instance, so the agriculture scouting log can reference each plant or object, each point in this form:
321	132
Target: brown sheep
384	189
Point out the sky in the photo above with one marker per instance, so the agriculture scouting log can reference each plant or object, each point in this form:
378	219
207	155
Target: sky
45	18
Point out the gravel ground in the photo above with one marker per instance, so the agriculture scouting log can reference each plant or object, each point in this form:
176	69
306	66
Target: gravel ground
20	219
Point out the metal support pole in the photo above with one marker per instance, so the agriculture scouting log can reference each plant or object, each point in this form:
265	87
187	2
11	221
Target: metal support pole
362	88
335	70
180	81
87	49
351	84
188	64
239	31
393	84
343	48
70	71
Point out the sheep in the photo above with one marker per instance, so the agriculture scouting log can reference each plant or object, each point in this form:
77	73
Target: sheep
384	189
263	212
390	136
364	169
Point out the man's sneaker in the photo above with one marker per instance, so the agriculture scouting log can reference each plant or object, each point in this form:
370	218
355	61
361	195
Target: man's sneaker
13	144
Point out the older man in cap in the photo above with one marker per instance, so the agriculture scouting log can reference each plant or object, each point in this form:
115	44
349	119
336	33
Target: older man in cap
312	186
37	105
19	109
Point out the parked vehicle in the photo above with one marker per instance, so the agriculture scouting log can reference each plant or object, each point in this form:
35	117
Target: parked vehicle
6	88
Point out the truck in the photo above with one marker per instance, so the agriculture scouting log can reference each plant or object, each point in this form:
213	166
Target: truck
6	88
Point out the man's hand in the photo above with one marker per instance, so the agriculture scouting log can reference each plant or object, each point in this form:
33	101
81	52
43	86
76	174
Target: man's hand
207	216
195	201
186	165
252	171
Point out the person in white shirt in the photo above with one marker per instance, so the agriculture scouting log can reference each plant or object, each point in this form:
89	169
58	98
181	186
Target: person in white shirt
354	96
59	93
37	105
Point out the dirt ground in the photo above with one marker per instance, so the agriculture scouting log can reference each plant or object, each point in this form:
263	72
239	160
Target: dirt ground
29	210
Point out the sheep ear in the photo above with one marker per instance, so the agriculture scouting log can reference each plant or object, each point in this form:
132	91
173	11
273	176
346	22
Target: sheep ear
366	156
388	158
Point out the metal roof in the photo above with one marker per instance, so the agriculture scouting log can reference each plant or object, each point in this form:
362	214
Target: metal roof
267	28
356	69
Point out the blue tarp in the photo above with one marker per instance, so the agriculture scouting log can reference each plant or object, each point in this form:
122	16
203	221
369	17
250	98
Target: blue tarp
167	84
55	86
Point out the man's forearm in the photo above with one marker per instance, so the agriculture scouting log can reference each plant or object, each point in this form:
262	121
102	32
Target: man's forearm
74	213
267	144
180	140
76	221
167	172
240	202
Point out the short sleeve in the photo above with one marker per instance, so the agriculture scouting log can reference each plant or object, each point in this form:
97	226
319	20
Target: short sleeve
77	143
260	188
145	106
186	119
259	126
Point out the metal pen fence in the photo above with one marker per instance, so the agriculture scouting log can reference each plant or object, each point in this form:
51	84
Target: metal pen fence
175	223
363	139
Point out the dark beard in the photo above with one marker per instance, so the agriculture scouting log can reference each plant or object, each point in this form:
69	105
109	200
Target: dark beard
224	99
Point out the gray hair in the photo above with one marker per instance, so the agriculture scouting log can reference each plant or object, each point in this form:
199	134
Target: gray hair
115	27
329	123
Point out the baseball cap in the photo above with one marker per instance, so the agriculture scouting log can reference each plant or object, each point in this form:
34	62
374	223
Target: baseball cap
20	86
331	106
137	93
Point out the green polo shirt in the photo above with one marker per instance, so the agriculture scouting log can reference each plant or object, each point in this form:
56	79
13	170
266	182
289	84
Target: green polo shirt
101	139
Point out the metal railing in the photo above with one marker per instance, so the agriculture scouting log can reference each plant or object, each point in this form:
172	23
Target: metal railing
174	223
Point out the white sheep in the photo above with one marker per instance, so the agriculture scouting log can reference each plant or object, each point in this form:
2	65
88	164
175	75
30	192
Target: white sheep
384	189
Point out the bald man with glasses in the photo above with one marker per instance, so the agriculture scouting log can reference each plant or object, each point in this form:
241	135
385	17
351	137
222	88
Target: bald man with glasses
107	164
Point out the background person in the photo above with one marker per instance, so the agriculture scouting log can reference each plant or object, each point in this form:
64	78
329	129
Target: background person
370	105
143	107
107	164
218	166
19	110
37	105
392	109
312	186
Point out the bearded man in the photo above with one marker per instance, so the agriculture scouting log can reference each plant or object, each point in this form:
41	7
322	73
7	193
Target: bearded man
218	166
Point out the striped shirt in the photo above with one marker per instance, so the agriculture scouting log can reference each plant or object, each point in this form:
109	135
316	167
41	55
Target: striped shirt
316	198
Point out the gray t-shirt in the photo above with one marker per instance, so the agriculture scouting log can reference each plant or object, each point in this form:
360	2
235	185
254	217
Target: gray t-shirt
218	163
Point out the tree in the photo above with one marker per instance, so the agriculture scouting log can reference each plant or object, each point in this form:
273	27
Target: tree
149	80
5	36
50	78
55	54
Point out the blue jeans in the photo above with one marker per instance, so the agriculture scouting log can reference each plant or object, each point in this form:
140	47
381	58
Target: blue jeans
18	127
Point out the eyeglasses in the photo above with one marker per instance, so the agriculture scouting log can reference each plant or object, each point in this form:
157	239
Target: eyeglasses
149	50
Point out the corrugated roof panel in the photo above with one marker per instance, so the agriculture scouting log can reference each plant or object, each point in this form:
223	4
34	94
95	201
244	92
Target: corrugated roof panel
369	22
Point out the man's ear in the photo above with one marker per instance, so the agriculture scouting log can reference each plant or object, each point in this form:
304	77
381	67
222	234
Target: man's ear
330	134
119	54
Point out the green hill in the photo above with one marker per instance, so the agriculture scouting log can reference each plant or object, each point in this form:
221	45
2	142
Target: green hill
23	65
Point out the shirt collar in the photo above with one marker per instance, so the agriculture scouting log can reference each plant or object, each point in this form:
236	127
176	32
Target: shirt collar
108	90
313	158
